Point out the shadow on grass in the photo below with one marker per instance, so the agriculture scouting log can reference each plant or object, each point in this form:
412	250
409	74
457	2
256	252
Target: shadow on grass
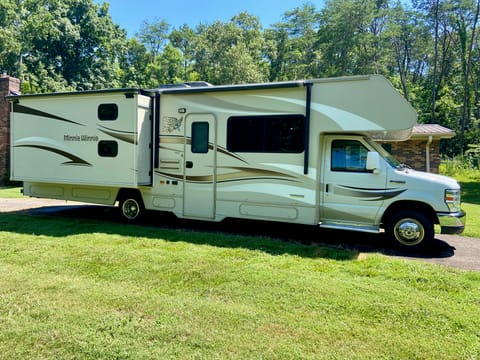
270	237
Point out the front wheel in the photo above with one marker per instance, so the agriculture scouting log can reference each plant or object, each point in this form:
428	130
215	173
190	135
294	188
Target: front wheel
410	229
131	207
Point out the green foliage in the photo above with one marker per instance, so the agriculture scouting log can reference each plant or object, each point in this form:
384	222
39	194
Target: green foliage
427	48
465	167
63	45
230	52
154	36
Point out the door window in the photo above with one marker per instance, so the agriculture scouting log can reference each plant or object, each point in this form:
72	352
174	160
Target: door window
349	156
200	137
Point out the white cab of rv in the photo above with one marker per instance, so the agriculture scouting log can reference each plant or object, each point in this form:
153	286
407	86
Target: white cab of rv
298	152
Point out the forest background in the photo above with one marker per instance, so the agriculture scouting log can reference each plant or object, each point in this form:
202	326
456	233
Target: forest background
429	50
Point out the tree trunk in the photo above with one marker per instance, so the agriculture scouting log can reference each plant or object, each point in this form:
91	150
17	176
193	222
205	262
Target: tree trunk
465	117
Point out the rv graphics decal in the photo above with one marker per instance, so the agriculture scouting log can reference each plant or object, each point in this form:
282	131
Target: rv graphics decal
74	160
171	124
241	173
180	140
17	108
127	136
367	194
51	146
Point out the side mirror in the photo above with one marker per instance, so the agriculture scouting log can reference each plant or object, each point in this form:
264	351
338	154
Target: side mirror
374	161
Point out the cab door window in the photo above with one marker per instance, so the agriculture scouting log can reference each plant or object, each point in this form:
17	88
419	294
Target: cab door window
348	156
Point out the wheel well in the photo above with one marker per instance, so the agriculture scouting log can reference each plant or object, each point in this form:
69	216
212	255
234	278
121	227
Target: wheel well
410	205
125	193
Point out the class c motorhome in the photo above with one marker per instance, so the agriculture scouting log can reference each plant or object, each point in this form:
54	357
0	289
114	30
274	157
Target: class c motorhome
298	152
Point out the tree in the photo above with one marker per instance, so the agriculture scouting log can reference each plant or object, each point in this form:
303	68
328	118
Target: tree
351	37
184	40
166	69
154	36
133	61
467	22
65	45
438	16
219	44
428	49
10	46
292	49
410	44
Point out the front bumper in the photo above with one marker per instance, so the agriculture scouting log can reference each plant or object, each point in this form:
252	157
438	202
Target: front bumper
452	223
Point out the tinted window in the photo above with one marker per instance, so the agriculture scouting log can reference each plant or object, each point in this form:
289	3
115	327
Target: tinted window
107	112
107	148
267	134
200	137
348	155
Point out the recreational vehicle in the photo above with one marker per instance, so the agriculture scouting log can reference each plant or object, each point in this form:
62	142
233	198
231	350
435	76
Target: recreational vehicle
299	152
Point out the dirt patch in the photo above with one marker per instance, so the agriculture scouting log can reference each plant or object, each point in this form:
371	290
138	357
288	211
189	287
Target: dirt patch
19	204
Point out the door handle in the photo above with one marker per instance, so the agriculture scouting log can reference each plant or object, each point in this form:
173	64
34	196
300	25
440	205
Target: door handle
189	164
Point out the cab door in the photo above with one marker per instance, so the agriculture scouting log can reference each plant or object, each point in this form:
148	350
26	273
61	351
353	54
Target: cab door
200	167
351	194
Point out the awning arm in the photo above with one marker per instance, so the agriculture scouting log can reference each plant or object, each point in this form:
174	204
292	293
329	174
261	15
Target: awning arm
308	103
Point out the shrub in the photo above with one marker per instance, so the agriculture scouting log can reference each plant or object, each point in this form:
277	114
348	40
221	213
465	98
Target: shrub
466	166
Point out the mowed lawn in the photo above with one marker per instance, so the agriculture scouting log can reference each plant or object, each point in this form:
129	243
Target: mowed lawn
92	289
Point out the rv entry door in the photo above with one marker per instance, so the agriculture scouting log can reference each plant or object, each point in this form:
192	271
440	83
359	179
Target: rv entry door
200	167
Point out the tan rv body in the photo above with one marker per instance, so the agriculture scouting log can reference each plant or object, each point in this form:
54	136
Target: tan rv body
291	151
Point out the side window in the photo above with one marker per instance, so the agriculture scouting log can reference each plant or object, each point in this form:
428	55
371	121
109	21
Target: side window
266	133
200	137
107	148
349	155
107	112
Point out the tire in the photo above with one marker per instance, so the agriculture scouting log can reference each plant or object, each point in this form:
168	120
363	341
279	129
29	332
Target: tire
131	207
409	229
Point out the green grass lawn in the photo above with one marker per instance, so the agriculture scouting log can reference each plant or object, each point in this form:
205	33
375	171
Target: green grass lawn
472	228
103	290
10	192
471	204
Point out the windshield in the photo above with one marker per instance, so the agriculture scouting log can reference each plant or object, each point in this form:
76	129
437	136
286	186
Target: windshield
384	153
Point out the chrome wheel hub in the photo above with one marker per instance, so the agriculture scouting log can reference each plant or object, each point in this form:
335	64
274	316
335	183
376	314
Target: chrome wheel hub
130	209
409	232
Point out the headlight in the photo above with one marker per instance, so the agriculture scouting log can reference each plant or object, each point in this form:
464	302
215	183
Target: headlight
452	199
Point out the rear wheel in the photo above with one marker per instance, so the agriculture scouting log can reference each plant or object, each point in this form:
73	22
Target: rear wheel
410	229
131	207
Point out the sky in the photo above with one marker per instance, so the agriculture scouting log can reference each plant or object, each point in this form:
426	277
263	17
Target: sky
130	14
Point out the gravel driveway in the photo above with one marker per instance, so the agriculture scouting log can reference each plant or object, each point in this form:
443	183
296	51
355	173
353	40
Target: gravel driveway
450	250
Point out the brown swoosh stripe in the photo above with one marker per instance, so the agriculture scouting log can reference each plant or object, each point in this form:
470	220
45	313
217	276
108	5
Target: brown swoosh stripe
181	140
242	174
74	160
368	194
30	111
128	137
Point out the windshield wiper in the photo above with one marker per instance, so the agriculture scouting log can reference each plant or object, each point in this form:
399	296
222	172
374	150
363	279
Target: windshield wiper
403	167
